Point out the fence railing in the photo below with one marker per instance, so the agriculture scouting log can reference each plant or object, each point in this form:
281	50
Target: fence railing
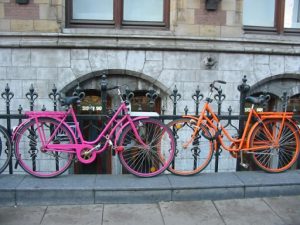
151	95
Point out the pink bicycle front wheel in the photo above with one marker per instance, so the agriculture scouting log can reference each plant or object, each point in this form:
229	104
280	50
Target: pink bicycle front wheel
36	161
153	159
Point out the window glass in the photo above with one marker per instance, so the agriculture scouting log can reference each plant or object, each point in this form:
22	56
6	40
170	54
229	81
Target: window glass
93	9
292	14
259	13
143	10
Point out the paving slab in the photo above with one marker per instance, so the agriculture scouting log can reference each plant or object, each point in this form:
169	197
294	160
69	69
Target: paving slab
22	215
132	214
60	190
247	211
262	184
131	189
206	186
287	208
8	187
190	213
73	215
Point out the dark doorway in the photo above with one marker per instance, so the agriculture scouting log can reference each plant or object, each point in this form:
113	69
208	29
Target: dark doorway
91	128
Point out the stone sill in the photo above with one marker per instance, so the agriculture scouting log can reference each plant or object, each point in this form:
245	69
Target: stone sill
158	40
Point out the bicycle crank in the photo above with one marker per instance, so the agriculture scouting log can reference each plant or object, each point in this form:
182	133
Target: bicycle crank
85	155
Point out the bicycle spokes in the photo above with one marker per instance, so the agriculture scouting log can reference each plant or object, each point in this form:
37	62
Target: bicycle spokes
281	151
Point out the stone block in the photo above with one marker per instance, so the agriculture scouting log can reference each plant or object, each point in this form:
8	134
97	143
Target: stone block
46	26
131	189
190	212
80	67
182	60
132	196
154	55
1	11
73	214
65	76
21	25
207	186
47	12
231	31
291	64
41	1
50	58
98	59
133	214
187	30
4	25
8	189
135	60
210	31
250	211
228	5
186	16
5	57
47	74
276	64
152	68
21	57
233	18
61	190
117	59
236	62
25	215
79	54
22	73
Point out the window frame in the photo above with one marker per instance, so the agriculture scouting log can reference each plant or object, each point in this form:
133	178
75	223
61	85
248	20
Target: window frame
117	21
278	23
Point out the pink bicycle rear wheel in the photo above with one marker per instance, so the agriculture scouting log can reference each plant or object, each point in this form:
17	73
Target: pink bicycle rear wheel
37	161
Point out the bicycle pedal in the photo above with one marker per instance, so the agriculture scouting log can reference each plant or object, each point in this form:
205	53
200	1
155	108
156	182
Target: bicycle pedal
245	165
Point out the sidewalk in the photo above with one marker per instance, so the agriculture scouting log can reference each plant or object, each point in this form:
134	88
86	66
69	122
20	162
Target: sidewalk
257	211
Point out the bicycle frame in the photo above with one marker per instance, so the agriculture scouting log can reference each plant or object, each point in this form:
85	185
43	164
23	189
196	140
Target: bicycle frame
209	118
80	143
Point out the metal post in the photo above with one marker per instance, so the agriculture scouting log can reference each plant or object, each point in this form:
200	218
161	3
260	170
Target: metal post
32	96
197	98
243	88
7	95
103	85
220	97
175	97
152	95
55	97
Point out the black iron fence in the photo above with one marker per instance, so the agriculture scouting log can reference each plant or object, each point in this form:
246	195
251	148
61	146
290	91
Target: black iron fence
151	96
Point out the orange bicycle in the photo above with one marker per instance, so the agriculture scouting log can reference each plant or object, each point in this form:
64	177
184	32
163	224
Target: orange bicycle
272	138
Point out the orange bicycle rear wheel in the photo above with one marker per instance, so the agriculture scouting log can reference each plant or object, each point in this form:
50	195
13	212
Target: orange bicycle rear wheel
197	155
280	156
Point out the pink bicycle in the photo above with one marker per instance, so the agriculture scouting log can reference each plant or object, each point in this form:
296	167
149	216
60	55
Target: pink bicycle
46	143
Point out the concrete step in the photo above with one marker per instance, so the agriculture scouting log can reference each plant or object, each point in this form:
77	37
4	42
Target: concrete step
99	189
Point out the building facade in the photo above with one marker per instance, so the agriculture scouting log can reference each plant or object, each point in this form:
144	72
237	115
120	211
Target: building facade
151	44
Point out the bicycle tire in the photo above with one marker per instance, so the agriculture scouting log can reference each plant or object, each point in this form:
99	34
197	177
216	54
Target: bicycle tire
195	158
5	149
42	163
277	158
141	161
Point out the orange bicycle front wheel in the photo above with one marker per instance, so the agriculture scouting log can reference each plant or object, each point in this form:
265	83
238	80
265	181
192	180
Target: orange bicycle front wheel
197	155
279	155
